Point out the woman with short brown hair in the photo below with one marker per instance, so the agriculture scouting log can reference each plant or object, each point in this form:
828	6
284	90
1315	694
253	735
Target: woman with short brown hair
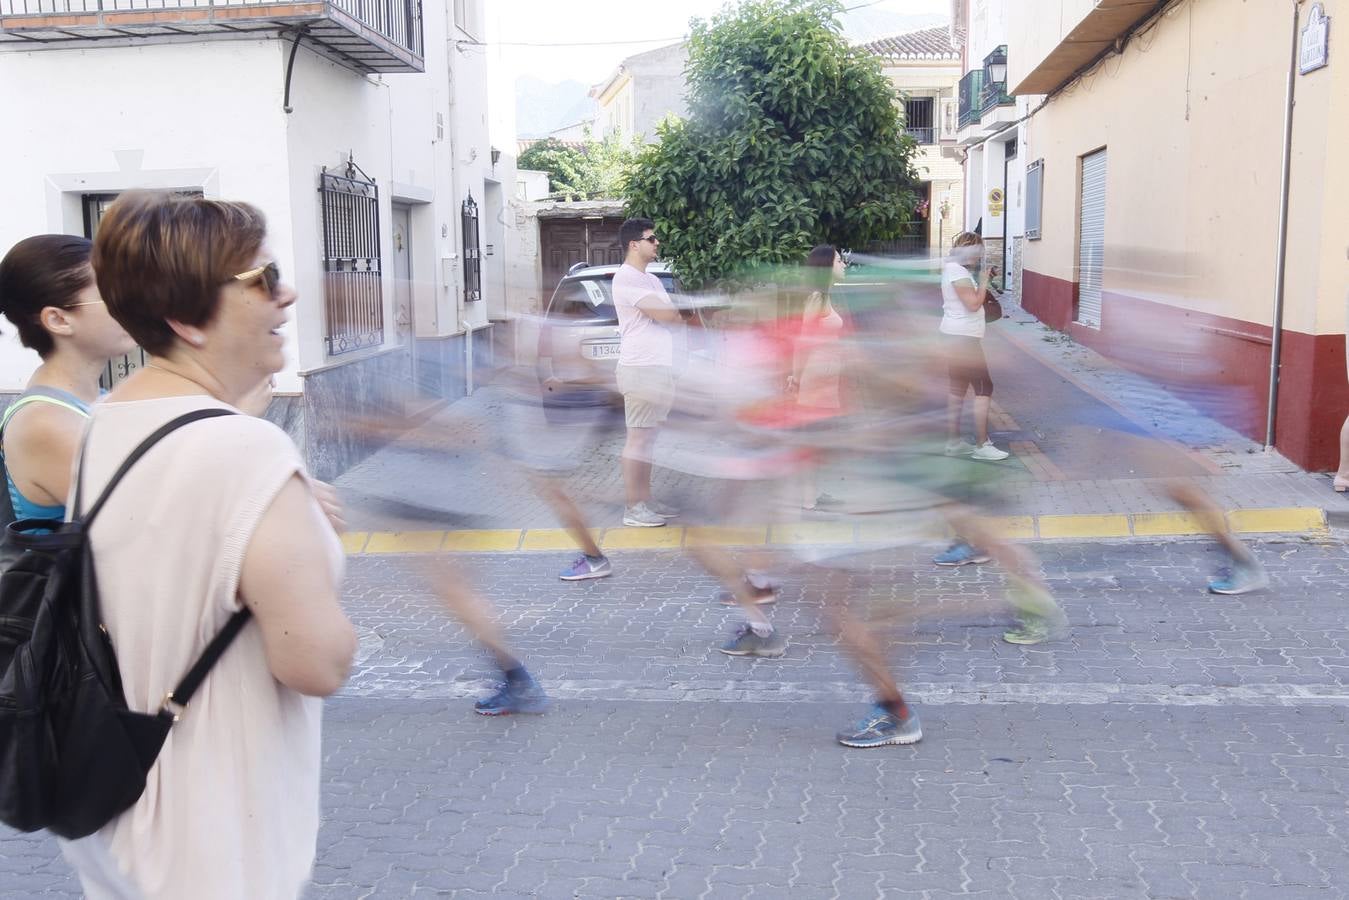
221	514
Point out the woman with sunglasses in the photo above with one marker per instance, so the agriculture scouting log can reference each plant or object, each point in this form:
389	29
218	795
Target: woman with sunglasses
219	516
47	291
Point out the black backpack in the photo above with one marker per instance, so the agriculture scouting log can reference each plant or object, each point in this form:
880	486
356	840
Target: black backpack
72	755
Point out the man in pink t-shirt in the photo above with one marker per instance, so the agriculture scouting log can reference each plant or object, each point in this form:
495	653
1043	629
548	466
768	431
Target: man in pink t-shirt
647	320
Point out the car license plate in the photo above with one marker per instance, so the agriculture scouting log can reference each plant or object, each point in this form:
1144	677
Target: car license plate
604	350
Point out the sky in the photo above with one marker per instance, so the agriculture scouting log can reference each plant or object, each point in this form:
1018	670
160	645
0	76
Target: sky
604	32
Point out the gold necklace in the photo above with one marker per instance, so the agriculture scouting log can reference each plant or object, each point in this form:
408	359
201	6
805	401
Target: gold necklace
150	365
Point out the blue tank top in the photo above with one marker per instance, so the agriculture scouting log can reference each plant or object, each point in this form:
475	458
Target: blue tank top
23	507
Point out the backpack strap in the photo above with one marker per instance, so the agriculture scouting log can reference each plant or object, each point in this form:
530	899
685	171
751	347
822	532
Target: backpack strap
145	445
175	701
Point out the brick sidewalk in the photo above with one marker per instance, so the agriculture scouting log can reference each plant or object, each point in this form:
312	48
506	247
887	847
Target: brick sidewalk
1178	744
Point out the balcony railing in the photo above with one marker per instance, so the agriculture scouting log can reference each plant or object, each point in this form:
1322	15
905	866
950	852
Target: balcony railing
365	35
970	98
994	94
922	135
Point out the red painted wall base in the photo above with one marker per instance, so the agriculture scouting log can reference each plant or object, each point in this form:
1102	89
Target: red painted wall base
1177	346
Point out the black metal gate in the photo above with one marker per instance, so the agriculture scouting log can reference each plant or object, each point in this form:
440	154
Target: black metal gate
472	251
353	286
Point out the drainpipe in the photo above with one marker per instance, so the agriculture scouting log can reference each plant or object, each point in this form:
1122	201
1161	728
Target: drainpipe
468	356
1276	344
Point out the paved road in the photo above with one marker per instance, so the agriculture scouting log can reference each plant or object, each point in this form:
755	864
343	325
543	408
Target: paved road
1177	745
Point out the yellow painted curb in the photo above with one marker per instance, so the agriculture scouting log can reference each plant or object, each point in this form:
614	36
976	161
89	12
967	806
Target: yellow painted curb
353	542
811	533
668	538
1083	526
502	539
1166	523
1014	528
725	536
552	539
1289	518
404	542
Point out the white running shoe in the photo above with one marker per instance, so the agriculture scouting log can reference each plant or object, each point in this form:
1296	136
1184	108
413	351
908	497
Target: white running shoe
642	516
959	448
988	453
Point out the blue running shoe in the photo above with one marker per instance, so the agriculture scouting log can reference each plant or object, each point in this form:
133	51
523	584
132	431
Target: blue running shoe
747	643
521	696
585	567
1241	578
960	554
878	728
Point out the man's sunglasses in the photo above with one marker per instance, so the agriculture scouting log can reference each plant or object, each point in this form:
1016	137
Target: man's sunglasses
650	237
269	274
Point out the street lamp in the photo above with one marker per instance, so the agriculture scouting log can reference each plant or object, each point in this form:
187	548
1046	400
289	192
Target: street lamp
995	65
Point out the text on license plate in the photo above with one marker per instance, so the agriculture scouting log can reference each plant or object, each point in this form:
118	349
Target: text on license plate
605	350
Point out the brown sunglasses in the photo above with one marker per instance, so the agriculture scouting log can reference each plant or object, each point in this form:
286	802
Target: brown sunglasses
269	274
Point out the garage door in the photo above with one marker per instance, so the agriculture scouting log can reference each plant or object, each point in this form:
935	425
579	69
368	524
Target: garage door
1091	240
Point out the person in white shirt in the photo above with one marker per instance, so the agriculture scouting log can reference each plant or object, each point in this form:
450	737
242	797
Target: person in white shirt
647	324
962	322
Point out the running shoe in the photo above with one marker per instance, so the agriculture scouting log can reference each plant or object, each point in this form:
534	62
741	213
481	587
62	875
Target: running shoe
1241	578
960	554
642	516
747	643
521	696
585	568
959	448
988	453
878	728
664	510
1035	629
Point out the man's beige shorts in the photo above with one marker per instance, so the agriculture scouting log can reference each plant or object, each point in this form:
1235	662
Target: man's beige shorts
648	394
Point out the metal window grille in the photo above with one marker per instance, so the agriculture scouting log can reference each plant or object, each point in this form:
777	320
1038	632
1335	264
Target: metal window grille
919	121
472	251
353	279
119	368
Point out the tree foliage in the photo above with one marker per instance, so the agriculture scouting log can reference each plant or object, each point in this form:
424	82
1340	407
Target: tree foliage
593	170
793	138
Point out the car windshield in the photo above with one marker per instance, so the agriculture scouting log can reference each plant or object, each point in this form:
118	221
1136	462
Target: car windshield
584	299
588	299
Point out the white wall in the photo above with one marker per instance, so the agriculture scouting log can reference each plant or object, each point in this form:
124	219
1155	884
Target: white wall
336	113
219	130
988	30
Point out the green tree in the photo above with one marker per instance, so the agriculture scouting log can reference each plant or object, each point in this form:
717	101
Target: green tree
793	138
593	170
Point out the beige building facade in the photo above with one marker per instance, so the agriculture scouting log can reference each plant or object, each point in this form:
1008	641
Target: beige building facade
924	67
642	91
1157	152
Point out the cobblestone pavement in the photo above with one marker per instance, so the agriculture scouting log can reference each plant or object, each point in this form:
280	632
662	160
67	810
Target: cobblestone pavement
1177	744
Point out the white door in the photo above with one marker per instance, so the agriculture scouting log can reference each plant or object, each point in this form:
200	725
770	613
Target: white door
1091	240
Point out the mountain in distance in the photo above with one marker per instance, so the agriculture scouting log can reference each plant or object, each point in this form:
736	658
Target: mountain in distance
541	107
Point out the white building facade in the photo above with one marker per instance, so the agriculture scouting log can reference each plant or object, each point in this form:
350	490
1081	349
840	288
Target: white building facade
991	130
365	141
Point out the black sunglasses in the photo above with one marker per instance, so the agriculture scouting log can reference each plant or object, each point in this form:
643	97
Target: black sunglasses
650	237
269	274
